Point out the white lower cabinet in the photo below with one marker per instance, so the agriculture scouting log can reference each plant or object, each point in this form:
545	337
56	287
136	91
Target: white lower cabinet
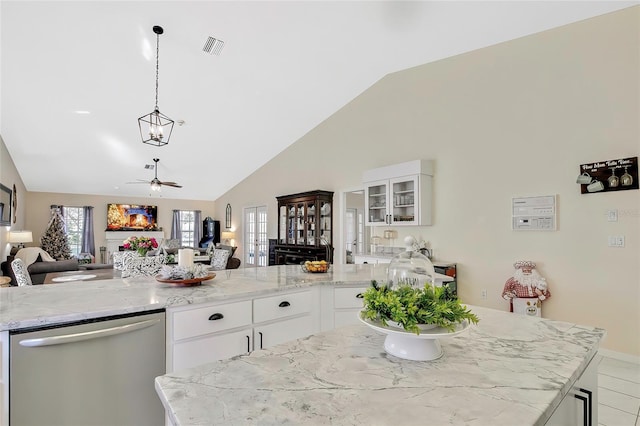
273	334
211	348
580	405
210	332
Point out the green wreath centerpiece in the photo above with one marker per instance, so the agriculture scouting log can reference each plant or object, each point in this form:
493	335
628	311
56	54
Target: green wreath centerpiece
411	307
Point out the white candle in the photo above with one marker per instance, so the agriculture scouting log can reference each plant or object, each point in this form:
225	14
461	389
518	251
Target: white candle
185	257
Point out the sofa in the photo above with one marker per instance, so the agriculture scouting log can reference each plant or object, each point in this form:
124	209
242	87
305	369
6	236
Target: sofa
39	268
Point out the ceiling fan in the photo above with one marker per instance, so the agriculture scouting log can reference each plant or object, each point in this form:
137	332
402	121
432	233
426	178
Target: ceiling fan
156	183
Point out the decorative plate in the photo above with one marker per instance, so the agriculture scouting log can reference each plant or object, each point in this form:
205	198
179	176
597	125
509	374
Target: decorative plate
186	283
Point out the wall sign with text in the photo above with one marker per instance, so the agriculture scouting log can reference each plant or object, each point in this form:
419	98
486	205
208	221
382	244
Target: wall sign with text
608	176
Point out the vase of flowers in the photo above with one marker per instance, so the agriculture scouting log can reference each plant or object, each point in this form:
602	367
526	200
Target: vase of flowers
140	244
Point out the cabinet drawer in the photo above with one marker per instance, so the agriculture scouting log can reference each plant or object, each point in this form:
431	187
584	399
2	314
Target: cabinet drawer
196	322
282	305
347	297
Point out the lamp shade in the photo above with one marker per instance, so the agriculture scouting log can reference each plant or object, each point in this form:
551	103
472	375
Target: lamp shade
227	235
20	237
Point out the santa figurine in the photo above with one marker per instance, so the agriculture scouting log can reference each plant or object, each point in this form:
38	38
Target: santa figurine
526	283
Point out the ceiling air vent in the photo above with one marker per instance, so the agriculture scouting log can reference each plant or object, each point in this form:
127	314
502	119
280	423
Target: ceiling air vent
148	166
213	46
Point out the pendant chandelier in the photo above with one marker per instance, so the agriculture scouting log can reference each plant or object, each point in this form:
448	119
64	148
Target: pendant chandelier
155	127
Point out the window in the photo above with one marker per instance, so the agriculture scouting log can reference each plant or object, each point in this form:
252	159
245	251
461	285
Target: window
187	228
74	222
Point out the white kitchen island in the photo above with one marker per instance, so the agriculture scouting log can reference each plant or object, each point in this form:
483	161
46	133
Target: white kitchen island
507	370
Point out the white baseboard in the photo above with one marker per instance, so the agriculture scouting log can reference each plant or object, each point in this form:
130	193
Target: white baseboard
621	356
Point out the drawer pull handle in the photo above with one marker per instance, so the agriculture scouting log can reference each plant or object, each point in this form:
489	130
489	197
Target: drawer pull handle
360	296
585	417
216	316
589	404
284	304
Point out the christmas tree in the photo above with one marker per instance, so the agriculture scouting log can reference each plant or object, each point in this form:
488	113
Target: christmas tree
54	241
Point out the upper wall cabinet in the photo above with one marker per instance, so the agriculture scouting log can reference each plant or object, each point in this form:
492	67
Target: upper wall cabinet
399	195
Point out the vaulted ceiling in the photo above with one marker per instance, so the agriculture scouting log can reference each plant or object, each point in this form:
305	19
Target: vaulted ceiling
76	75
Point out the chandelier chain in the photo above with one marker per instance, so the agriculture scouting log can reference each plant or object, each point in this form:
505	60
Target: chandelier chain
157	66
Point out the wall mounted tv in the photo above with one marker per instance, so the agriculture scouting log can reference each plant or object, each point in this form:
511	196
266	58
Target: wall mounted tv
131	217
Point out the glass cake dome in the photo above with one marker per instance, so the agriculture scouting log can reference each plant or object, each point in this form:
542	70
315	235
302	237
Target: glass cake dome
410	268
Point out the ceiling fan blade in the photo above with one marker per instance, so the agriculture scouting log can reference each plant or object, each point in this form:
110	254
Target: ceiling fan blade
139	181
173	184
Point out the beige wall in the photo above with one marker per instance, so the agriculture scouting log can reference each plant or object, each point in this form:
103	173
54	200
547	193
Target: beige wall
9	176
37	216
515	119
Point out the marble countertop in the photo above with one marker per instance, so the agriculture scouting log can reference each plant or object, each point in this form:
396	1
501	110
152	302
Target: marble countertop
508	369
38	305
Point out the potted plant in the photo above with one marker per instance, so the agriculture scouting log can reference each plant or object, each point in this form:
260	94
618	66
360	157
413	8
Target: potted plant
413	307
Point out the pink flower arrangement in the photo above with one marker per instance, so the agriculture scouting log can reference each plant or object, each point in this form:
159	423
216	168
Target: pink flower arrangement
140	244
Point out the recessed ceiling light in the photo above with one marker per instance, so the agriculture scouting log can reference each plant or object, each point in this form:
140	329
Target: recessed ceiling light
81	112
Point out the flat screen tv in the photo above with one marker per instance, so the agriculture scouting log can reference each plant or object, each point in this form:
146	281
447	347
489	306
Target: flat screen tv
131	217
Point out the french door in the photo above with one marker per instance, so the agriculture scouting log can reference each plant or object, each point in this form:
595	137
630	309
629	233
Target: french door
256	243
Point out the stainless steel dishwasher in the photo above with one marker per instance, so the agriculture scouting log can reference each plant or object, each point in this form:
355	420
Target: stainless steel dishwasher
94	372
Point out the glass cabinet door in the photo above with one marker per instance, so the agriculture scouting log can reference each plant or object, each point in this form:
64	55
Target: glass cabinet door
311	223
284	220
376	197
300	224
291	224
325	223
404	196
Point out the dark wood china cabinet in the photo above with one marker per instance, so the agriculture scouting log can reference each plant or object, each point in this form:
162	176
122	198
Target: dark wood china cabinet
305	227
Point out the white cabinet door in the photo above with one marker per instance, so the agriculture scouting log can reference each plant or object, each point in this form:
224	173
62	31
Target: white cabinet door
580	405
376	203
282	331
211	348
587	388
402	201
404	198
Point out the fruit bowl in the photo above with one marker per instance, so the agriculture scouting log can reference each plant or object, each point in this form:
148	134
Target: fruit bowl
315	266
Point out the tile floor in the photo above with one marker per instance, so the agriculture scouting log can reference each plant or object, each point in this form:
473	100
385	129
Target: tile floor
618	393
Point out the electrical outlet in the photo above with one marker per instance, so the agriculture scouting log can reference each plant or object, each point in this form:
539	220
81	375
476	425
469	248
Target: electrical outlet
484	294
612	215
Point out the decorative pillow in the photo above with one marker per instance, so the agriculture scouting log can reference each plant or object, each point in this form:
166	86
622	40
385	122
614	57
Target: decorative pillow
230	249
20	272
119	256
219	259
138	266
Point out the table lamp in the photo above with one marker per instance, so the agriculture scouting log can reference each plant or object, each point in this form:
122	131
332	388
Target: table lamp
20	237
227	236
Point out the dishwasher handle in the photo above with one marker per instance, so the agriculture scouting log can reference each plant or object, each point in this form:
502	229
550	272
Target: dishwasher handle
87	335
